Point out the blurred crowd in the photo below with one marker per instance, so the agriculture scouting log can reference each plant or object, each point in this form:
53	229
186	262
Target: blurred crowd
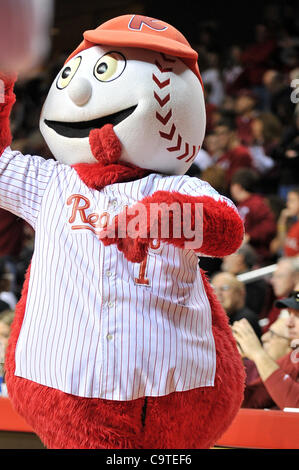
250	154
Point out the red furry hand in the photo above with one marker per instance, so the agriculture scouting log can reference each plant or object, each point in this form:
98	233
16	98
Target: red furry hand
7	97
7	100
208	226
200	223
105	145
127	235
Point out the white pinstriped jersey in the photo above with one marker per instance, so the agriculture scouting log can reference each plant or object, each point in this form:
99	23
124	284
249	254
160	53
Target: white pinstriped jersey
95	324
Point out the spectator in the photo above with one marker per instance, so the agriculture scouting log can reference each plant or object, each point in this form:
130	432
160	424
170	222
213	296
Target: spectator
259	221
276	203
7	273
6	319
266	131
279	92
245	108
257	56
233	155
278	385
7	299
276	340
203	160
243	260
289	168
211	108
283	281
233	68
286	155
228	106
215	176
231	294
291	131
288	47
276	343
11	234
287	240
211	76
3	306
212	152
258	293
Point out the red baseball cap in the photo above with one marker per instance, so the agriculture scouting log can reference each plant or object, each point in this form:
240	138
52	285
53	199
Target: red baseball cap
144	32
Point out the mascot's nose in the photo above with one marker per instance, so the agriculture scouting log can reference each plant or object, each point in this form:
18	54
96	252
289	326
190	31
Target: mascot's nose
80	91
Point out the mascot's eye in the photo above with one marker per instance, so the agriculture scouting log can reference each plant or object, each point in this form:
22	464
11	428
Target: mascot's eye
102	68
68	72
109	67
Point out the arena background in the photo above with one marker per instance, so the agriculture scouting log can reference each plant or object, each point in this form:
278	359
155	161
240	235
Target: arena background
232	22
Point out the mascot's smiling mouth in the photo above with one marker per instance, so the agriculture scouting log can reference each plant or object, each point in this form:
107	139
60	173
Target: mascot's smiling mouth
83	128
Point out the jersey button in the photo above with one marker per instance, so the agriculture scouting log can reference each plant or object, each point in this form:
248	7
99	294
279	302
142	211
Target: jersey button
109	337
110	304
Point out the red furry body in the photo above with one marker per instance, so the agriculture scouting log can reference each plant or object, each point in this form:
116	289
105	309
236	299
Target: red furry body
190	419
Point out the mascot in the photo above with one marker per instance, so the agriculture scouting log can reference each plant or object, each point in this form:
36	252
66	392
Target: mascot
119	341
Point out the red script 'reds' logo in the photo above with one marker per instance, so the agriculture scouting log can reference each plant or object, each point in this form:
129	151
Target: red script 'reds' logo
138	21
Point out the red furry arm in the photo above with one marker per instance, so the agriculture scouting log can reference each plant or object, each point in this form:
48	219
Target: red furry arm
7	100
221	227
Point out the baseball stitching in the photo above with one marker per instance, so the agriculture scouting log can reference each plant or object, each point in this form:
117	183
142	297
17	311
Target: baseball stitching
189	151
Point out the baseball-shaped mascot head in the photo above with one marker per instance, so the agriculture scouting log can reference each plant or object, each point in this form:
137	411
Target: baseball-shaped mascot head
140	75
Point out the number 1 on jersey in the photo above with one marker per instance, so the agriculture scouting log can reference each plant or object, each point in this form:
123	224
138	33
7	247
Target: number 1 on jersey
142	279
